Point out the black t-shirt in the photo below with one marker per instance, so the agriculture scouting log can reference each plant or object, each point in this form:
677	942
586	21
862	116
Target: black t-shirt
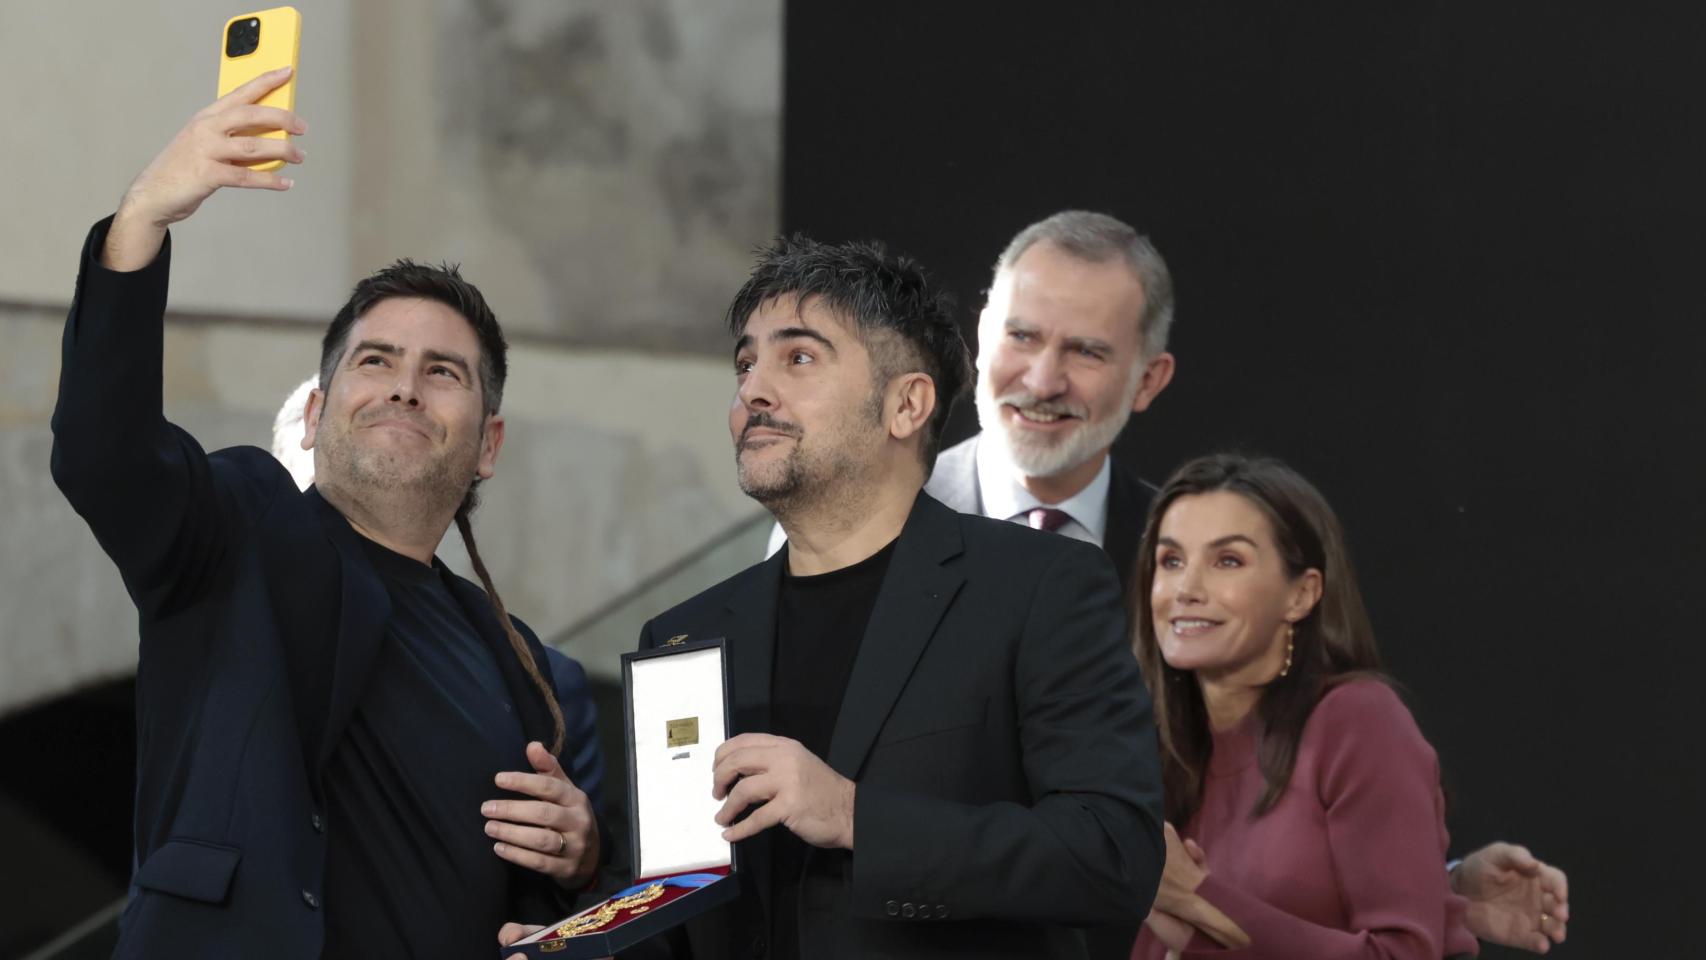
820	621
410	871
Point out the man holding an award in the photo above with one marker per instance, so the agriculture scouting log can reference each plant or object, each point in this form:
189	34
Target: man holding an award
940	744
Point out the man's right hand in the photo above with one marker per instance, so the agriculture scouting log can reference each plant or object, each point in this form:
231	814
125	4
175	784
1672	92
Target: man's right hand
205	155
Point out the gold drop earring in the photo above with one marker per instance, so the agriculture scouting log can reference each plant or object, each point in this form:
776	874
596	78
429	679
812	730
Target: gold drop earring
1290	642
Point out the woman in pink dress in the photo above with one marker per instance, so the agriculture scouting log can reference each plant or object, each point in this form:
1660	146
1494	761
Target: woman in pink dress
1310	821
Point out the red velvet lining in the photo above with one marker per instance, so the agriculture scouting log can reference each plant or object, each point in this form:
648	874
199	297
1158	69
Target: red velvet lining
669	895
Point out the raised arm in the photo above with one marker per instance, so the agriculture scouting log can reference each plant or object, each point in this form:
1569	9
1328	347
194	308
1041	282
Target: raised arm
146	487
204	156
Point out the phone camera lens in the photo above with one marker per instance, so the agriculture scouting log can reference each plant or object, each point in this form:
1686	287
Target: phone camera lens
243	38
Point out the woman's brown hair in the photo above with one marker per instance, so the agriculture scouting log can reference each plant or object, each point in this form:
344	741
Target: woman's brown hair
1332	644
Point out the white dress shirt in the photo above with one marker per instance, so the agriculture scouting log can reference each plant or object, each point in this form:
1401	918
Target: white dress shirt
1005	498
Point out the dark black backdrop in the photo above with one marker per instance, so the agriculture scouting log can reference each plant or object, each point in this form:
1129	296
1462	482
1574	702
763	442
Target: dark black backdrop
1447	261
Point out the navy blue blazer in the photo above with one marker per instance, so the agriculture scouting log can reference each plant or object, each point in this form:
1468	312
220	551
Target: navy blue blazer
259	618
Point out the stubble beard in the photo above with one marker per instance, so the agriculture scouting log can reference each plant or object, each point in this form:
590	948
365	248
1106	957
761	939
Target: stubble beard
829	478
394	484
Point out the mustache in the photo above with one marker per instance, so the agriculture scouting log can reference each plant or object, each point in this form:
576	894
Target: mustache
418	419
1025	400
768	422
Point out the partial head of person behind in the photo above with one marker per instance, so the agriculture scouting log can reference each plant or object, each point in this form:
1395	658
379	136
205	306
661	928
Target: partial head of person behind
1244	580
1071	342
405	421
287	433
848	361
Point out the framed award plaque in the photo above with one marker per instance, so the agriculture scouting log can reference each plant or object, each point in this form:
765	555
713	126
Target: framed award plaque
676	709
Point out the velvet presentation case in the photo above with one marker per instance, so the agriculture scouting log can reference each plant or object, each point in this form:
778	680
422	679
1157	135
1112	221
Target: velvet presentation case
676	713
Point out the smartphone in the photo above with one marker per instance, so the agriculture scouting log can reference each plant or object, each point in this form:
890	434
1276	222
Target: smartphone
256	43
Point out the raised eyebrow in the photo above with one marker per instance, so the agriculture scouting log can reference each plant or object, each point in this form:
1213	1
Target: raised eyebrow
1090	343
797	333
454	359
1223	541
377	346
1235	538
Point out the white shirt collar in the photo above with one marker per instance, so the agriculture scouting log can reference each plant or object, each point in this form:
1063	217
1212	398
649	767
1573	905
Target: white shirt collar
1005	498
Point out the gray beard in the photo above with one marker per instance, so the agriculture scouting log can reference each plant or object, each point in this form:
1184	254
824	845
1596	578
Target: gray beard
1047	460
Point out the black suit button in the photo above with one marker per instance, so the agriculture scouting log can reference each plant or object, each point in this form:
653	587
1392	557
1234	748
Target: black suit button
318	824
941	911
312	901
893	908
908	911
924	911
758	946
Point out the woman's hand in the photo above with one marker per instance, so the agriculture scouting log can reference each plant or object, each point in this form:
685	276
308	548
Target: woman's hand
1177	899
1170	930
1180	879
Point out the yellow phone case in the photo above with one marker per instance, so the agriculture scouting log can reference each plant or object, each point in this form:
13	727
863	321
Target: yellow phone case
280	44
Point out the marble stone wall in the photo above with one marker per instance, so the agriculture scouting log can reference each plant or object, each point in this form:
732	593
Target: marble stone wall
609	164
602	168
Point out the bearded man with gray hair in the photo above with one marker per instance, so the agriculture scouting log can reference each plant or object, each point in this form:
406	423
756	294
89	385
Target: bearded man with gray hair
1061	367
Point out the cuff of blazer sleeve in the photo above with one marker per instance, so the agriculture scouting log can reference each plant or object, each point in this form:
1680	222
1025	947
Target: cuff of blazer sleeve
886	858
97	239
142	291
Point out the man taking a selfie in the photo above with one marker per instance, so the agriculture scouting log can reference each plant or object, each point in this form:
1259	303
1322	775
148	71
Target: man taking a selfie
343	748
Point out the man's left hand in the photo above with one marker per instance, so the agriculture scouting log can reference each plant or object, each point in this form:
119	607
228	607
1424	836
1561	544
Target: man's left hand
555	833
794	787
1515	899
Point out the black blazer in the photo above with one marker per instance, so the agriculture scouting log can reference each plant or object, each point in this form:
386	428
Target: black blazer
954	482
1001	739
260	617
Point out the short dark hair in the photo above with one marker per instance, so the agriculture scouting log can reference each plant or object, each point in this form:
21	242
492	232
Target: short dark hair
886	295
444	284
1333	645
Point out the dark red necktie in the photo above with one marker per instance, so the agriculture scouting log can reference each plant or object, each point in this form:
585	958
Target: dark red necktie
1047	518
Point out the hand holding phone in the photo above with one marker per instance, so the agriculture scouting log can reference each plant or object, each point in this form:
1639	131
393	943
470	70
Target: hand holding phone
255	44
210	152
